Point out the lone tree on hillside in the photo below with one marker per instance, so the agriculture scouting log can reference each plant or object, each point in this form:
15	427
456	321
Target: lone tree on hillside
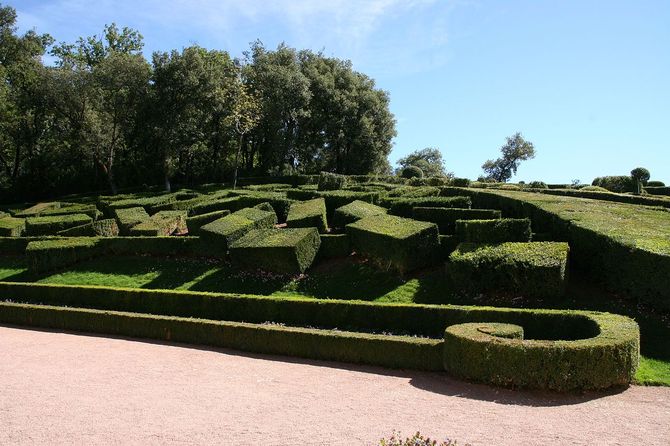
640	176
429	160
513	152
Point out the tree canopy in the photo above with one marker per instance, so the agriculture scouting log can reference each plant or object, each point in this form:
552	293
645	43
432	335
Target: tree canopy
429	160
103	117
515	150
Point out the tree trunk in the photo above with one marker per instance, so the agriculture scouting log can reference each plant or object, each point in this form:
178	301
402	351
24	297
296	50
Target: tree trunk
237	158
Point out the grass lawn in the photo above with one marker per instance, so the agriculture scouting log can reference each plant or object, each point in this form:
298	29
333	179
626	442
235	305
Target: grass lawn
351	280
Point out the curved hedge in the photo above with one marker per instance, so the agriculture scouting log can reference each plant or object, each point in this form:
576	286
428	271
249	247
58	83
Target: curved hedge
567	349
495	355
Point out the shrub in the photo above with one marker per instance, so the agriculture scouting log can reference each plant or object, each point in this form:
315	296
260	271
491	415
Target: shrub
12	227
51	225
222	232
334	245
401	243
593	189
411	192
301	194
586	350
618	184
106	228
445	218
354	211
151	204
537	185
48	255
509	187
474	351
163	223
67	208
460	182
85	230
269	187
338	198
429	181
403	206
655	184
195	222
287	251
411	172
657	190
215	204
494	231
38	209
331	181
448	244
129	217
306	214
416	440
533	269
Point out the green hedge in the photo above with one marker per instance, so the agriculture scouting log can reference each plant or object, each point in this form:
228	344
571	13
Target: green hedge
600	244
338	198
48	255
162	223
151	204
308	214
396	242
301	194
534	269
70	208
215	204
106	228
657	190
37	209
334	245
412	192
127	218
403	206
222	232
620	183
477	352
285	251
609	196
12	227
196	222
85	230
445	218
585	350
494	231
51	225
448	244
331	181
354	211
279	202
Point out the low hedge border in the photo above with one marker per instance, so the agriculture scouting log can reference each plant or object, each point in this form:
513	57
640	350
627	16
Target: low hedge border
403	207
445	218
361	348
54	224
494	231
592	350
609	196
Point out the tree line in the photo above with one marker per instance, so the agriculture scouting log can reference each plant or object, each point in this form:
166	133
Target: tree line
101	116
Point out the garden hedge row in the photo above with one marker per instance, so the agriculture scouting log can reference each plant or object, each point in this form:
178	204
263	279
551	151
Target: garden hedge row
331	181
354	211
334	245
535	269
308	214
403	207
396	242
494	231
222	232
582	350
196	222
163	223
445	218
338	198
127	218
622	267
284	251
51	225
657	190
609	196
12	227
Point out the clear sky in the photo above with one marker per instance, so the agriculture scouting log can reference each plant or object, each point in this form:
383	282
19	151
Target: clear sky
588	82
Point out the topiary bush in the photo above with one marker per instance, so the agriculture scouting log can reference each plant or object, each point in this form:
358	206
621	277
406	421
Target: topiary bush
533	269
285	251
334	245
460	182
129	217
12	227
196	222
222	232
51	225
403	207
354	211
48	255
655	184
396	242
619	184
494	231
411	172
331	181
306	214
537	185
445	218
593	189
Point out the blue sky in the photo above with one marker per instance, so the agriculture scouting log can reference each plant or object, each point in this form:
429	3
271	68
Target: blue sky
588	82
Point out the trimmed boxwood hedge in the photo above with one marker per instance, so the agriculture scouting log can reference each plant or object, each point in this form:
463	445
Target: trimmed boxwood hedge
445	218
163	223
334	245
331	181
403	206
534	269
70	208
51	225
581	349
308	214
222	232
37	209
12	227
48	255
657	190
338	198
286	251
196	222
494	231
396	242
129	217
354	211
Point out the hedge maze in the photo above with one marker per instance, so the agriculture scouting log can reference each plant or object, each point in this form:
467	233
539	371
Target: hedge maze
476	243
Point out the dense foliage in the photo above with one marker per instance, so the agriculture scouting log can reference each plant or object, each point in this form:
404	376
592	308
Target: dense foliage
103	117
515	150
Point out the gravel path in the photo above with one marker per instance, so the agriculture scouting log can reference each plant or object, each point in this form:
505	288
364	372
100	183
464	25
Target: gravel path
60	388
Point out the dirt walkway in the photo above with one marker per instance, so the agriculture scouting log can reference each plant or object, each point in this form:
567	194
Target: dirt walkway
58	388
